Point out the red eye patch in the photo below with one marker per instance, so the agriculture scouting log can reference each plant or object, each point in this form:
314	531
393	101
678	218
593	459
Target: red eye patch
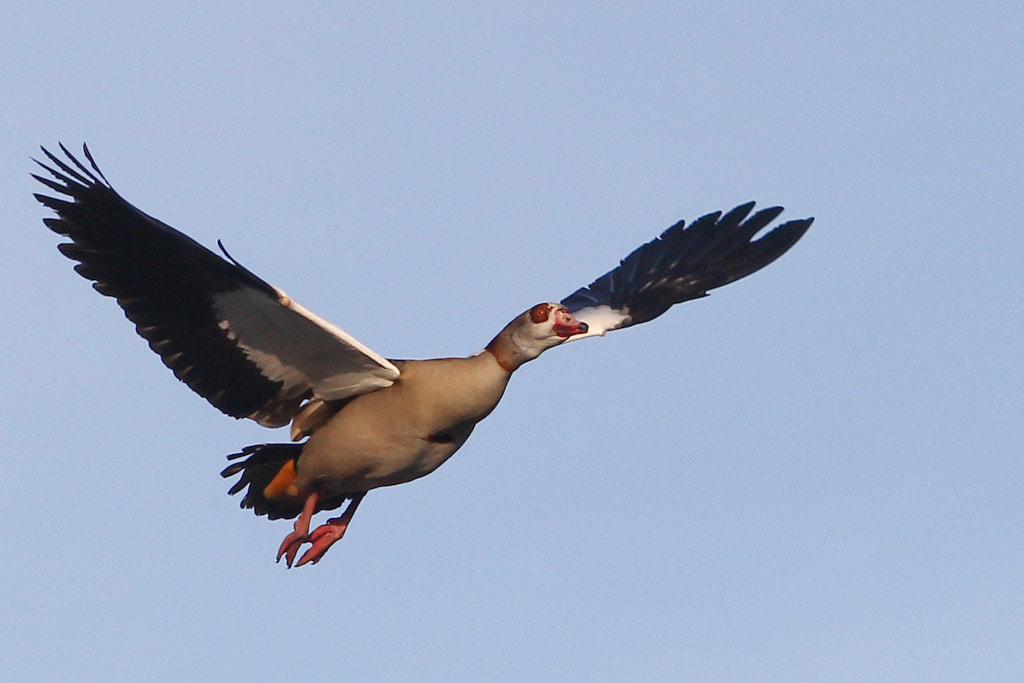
540	313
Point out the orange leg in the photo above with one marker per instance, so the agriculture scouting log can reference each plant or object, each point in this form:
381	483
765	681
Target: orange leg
326	535
291	543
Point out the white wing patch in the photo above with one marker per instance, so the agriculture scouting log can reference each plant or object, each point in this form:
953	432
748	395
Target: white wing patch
293	345
600	320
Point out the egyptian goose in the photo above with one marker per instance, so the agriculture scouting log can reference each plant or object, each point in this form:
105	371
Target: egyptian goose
251	351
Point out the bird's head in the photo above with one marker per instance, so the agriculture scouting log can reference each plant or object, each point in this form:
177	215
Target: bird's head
533	332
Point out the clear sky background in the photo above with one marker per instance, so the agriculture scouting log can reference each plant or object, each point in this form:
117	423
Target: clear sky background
813	474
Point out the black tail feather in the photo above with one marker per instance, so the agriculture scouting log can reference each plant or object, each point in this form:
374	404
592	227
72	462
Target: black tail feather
262	463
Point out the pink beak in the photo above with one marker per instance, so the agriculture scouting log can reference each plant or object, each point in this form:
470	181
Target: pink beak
566	324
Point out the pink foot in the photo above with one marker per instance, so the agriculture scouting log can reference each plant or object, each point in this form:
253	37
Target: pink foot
326	535
293	541
291	544
322	538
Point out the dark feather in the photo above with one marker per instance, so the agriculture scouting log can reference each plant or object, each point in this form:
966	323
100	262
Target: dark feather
262	463
685	263
162	279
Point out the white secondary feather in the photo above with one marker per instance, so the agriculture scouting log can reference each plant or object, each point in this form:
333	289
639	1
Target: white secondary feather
292	344
599	320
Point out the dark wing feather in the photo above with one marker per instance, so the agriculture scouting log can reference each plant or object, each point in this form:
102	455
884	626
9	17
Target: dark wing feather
233	338
683	263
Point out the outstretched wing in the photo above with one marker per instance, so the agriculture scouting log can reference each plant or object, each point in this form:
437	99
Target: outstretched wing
237	341
684	263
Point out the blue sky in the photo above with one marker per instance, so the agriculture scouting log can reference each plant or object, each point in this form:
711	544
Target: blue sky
813	474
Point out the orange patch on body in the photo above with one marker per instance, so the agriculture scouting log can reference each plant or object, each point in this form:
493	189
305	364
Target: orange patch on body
283	483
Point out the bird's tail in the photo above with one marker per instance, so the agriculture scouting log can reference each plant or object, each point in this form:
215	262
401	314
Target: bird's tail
269	472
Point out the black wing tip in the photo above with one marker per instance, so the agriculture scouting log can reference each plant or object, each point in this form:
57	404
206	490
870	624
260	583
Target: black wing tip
775	210
747	207
712	251
763	218
70	170
766	249
796	228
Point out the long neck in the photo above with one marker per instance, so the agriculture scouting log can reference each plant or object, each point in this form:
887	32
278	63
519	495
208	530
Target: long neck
507	352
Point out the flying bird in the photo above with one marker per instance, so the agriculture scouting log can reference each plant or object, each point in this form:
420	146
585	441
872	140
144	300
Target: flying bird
358	420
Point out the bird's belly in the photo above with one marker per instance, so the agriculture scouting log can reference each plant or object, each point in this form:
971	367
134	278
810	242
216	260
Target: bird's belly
421	462
348	463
